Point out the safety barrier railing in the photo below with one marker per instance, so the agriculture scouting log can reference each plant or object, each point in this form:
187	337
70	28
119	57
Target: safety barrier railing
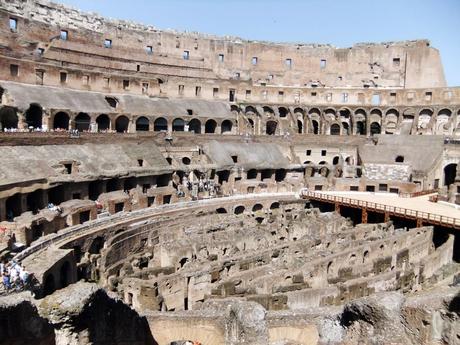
399	211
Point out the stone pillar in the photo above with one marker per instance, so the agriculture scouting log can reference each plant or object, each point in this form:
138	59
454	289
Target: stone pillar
419	223
364	216
337	207
386	217
2	210
22	124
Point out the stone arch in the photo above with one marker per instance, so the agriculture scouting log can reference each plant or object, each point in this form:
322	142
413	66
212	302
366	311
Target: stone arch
268	111
330	114
194	126
450	172
375	128
299	126
61	120
142	124
96	245
160	124
257	207
250	110
178	125
82	122
283	111
275	205
315	126
391	120
424	117
34	116
13	206
210	126
103	122
251	174
239	209
361	127
65	274
8	118
122	124
271	127
235	108
226	126
49	285
335	129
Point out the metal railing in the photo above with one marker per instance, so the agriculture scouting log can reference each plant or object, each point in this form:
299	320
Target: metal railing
373	206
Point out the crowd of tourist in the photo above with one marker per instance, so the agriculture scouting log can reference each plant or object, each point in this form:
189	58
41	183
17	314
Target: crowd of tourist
14	276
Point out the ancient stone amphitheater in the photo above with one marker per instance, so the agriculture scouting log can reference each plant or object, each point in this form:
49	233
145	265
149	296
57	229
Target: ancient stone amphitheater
166	187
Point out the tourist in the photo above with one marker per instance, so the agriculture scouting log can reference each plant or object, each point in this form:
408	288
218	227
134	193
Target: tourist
6	280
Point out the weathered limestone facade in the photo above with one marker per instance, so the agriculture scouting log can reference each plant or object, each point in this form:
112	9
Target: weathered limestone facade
153	178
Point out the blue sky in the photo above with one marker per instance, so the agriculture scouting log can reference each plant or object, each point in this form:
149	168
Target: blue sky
338	22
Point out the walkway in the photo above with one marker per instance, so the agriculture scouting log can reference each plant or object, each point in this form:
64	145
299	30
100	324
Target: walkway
419	208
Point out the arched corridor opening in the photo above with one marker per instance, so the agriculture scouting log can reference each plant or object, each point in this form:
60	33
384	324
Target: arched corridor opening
315	126
271	127
61	121
375	128
226	126
299	127
360	128
49	285
160	124
178	125
121	124
210	126
194	126
335	129
8	118
142	124
34	116
82	122
13	206
450	171
103	123
65	275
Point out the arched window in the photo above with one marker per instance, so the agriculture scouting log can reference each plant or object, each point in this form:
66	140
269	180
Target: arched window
142	124
210	126
121	124
399	159
61	121
160	124
82	122
178	125
226	126
194	126
103	122
335	129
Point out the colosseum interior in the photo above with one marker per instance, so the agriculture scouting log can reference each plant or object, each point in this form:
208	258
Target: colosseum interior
174	188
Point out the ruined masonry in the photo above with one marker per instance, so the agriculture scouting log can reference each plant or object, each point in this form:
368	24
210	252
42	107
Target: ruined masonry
178	188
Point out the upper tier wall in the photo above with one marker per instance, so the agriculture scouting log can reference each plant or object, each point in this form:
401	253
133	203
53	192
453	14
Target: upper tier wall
410	64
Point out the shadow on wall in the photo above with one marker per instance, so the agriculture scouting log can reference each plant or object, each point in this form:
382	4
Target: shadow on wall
112	322
100	321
